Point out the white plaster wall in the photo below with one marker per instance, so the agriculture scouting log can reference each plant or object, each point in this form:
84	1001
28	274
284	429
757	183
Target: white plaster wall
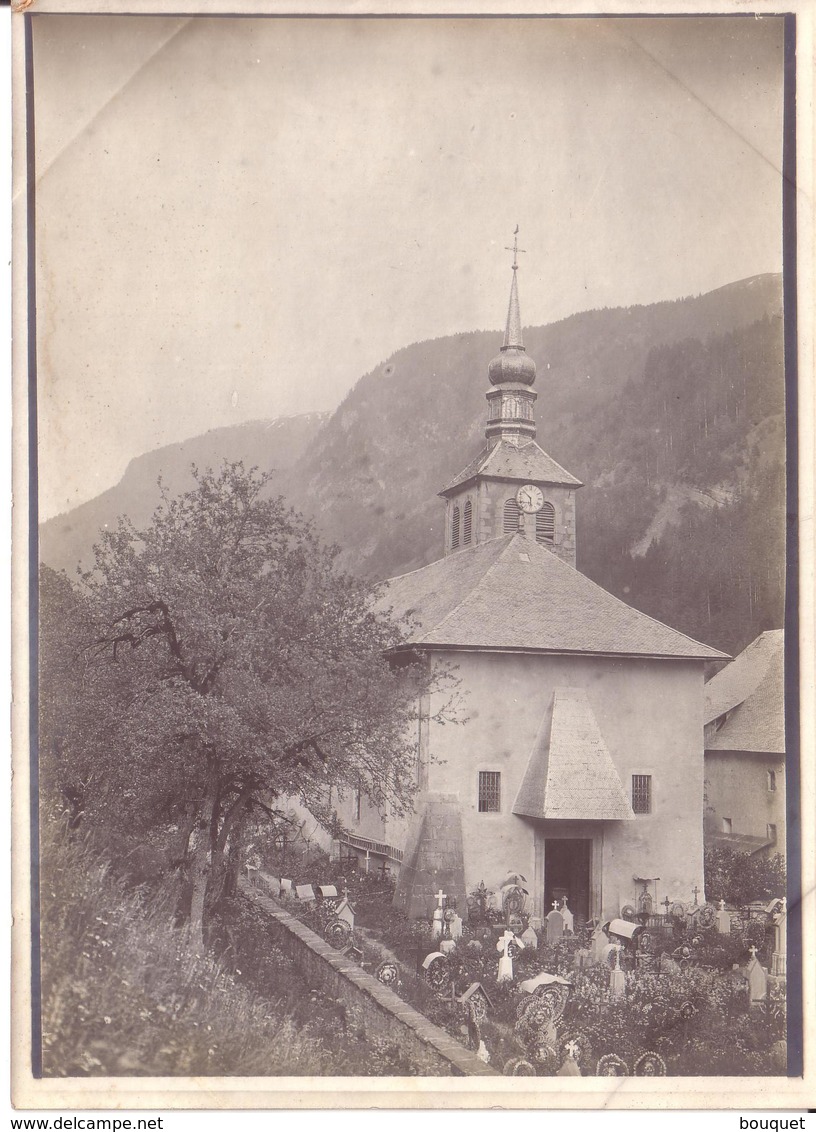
650	715
737	788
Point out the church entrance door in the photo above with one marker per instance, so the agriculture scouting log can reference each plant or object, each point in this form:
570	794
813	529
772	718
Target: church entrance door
567	862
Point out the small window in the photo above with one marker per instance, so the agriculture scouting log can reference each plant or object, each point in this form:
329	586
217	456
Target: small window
771	833
455	529
467	523
726	825
642	793
358	803
545	523
511	517
772	780
489	792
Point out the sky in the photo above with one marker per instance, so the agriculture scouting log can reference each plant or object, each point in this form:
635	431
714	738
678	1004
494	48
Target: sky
238	218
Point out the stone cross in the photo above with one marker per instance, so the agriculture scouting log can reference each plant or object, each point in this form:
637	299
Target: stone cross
753	951
439	897
569	919
666	904
695	890
722	905
555	905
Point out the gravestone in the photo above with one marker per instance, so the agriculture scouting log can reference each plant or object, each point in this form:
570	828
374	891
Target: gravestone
327	890
286	887
529	938
345	912
437	926
555	926
723	919
779	959
600	941
456	927
305	893
568	918
617	979
505	973
569	1066
757	980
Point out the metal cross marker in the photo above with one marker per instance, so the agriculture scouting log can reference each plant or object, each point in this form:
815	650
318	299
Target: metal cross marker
515	249
695	890
666	904
439	897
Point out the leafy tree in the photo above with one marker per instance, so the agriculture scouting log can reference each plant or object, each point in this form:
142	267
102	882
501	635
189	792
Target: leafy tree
228	663
739	878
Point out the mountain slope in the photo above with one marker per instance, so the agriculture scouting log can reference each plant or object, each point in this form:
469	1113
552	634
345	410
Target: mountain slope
67	540
671	414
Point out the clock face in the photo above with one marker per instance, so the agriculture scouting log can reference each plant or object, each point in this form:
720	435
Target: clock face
530	499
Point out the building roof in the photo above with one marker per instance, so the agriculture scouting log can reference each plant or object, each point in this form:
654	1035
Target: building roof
748	695
502	460
741	842
513	593
570	774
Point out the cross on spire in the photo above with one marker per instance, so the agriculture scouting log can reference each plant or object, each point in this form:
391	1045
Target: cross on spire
515	249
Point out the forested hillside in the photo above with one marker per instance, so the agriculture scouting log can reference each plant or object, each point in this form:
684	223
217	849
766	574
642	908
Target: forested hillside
671	414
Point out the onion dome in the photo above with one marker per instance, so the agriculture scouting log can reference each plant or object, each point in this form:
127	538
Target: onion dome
512	363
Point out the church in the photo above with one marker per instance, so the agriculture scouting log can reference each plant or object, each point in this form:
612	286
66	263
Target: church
580	764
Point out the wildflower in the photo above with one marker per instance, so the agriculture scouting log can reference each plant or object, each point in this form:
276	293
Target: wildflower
107	1020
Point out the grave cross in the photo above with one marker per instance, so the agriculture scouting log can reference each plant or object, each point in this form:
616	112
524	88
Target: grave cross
753	951
555	905
695	890
666	904
439	897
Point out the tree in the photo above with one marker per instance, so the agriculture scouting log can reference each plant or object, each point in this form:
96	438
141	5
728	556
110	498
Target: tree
230	664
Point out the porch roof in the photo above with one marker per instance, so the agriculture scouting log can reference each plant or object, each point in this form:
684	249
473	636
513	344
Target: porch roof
570	773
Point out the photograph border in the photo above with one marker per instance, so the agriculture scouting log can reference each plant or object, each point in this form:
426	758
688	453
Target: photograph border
30	1090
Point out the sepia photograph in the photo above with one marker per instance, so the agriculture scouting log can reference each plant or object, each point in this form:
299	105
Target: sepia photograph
412	411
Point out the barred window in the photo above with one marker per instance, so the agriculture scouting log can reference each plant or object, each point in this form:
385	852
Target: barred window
545	523
467	523
455	529
489	791
642	793
511	516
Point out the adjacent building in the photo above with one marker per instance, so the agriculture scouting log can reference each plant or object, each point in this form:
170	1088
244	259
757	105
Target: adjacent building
745	749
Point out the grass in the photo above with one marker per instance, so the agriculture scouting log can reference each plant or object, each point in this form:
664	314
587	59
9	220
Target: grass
124	993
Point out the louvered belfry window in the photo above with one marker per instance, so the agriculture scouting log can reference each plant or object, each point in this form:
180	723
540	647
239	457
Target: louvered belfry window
455	529
642	793
467	524
511	517
489	791
545	523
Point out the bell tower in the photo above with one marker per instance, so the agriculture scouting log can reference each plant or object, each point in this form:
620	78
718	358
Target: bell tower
512	484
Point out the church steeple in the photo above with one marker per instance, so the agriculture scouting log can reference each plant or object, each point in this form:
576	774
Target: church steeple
512	373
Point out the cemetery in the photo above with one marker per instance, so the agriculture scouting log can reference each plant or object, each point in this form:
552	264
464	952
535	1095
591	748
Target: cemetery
669	988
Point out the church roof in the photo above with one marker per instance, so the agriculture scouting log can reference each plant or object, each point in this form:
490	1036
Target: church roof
514	593
502	460
752	689
571	774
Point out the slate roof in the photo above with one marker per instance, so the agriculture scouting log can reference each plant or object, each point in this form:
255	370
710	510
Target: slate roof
750	692
502	460
514	593
570	774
